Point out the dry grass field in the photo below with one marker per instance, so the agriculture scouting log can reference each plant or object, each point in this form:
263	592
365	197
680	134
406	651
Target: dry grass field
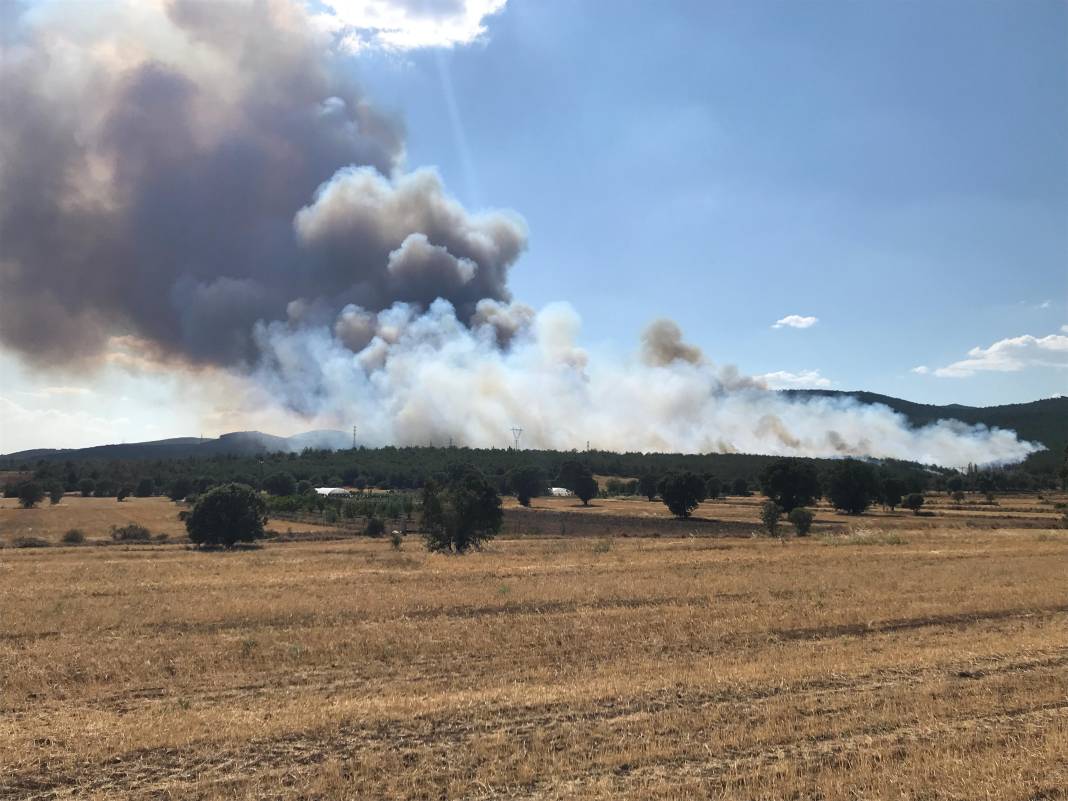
894	660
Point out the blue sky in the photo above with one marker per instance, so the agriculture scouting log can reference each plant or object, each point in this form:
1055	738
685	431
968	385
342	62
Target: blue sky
897	170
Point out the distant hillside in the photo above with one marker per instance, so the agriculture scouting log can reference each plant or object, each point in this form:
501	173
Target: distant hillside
1044	421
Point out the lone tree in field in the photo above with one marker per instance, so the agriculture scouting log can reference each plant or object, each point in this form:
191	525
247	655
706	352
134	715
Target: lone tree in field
280	484
577	477
526	482
790	483
86	487
682	492
914	501
647	486
226	515
891	492
802	520
852	486
30	494
770	512
55	493
462	513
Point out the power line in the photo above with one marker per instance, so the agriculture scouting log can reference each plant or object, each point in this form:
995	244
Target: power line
516	433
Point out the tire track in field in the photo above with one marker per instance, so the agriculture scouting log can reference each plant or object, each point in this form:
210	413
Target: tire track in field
158	768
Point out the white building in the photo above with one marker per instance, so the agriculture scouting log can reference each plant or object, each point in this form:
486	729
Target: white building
333	492
560	492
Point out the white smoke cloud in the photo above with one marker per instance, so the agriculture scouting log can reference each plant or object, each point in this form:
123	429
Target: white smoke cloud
806	379
796	321
425	378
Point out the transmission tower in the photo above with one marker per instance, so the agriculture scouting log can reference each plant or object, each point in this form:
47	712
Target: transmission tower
516	433
354	437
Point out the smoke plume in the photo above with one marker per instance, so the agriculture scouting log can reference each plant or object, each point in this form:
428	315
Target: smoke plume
204	182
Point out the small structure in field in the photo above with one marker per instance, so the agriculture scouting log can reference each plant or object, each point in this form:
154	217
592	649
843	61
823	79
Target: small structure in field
333	492
560	492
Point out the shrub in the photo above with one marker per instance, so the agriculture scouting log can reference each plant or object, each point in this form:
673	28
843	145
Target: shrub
122	494
790	483
30	542
375	527
30	494
770	512
131	532
396	539
914	501
682	492
958	496
226	515
802	520
55	493
74	536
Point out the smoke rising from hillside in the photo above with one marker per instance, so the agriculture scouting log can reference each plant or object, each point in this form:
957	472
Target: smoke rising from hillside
206	180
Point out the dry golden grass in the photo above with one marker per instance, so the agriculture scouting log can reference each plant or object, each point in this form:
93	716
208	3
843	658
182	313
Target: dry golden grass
932	668
95	517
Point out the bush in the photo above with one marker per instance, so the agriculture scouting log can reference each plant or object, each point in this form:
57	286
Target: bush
30	494
55	493
790	483
74	536
226	515
461	514
914	501
396	539
802	520
770	512
30	542
852	486
375	527
122	494
131	532
682	492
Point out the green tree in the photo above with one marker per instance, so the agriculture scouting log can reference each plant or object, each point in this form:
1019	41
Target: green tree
802	520
713	487
682	492
790	483
122	494
955	484
891	492
586	488
180	489
770	512
852	485
740	487
526	482
280	484
55	492
30	494
647	486
462	513
226	515
86	487
577	477
914	501
145	488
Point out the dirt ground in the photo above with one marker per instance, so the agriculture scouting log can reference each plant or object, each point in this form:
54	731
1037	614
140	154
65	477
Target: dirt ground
882	661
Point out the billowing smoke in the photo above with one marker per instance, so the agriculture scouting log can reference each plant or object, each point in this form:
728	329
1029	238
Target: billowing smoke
204	179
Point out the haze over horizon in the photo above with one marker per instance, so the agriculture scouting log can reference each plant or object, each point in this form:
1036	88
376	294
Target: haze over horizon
396	220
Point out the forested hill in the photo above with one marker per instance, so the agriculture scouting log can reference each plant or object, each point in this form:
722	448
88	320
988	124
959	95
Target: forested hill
1044	421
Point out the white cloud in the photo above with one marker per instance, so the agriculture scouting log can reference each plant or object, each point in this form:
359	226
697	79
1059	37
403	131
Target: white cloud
410	24
806	379
1011	355
1045	304
922	369
796	321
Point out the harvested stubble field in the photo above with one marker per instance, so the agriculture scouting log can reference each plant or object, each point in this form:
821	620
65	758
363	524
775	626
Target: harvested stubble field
541	668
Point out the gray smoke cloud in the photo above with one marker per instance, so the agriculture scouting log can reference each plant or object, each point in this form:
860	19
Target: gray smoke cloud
204	183
184	178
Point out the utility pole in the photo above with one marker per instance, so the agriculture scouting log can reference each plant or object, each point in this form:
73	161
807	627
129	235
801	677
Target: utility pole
516	433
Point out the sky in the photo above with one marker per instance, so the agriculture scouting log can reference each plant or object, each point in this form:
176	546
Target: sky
848	195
